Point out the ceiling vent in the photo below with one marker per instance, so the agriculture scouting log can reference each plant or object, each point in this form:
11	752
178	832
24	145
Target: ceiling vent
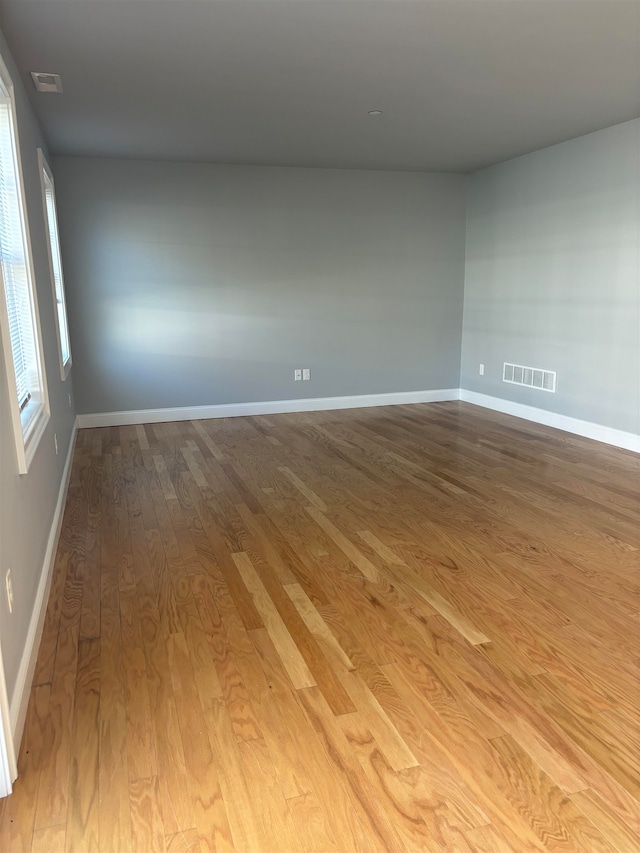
46	82
530	377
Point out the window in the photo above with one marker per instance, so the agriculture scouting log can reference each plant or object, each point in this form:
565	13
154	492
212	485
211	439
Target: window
18	305
55	264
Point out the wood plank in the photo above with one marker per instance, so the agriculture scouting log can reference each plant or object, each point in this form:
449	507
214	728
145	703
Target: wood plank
247	831
83	815
292	660
407	821
318	627
394	749
51	839
17	812
305	642
533	795
53	791
335	815
115	806
620	835
183	842
147	826
378	822
346	546
278	829
302	487
208	808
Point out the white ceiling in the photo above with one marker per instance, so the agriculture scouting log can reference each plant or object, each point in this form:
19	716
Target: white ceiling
462	83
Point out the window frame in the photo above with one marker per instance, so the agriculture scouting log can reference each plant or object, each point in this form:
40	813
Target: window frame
45	169
29	424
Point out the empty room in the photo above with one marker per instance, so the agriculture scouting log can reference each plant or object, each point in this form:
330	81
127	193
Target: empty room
320	426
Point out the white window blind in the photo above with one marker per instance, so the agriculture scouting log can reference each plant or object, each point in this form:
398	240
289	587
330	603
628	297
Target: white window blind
14	268
56	264
20	331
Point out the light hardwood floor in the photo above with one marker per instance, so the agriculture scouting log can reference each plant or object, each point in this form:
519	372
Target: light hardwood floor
409	628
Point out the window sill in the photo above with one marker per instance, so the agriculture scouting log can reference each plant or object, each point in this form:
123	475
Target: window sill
65	368
34	422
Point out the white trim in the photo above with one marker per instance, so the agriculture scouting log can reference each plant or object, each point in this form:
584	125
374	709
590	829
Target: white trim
8	764
268	407
598	432
20	699
26	445
45	169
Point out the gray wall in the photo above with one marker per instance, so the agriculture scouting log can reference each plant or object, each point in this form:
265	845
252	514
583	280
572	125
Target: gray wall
552	276
192	284
27	502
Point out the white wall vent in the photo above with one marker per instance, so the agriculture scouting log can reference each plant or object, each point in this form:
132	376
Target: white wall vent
530	377
46	82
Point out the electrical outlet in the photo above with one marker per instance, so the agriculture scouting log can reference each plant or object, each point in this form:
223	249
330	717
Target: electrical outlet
306	373
297	375
481	371
9	585
55	441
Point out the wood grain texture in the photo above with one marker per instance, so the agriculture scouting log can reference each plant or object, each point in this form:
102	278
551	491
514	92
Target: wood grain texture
401	629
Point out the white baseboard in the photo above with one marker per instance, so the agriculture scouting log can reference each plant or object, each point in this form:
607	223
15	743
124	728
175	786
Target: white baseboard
8	763
608	435
22	690
268	407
